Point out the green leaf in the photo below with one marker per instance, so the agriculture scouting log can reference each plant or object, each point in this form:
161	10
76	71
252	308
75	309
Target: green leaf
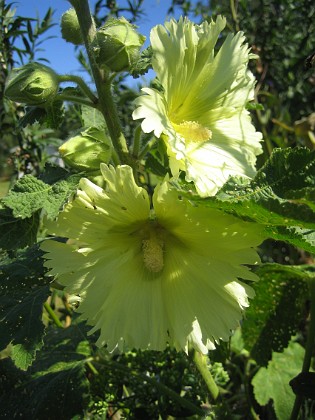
30	194
142	65
277	309
280	197
55	114
92	117
301	238
17	233
23	291
56	384
281	369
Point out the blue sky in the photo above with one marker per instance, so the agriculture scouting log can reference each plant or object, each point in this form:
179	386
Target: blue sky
60	53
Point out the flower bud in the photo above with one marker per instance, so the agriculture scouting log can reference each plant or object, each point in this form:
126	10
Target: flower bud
87	150
117	45
70	27
32	84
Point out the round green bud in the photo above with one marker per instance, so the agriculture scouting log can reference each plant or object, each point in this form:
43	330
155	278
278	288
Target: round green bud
87	150
117	45
70	27
32	84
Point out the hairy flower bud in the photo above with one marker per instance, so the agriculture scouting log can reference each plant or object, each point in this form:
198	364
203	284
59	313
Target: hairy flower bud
70	27
87	150
117	45
32	84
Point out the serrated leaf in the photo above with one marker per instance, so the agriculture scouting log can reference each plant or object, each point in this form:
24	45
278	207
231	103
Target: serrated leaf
301	238
144	63
275	197
277	309
29	194
17	233
56	383
23	291
22	357
281	369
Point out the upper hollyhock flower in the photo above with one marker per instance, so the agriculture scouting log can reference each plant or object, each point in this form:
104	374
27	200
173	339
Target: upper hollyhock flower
147	275
201	111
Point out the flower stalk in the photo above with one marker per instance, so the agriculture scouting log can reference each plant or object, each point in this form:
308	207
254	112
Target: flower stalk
82	85
102	79
200	361
52	315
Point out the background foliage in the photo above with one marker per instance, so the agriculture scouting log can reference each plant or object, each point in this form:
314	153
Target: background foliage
49	367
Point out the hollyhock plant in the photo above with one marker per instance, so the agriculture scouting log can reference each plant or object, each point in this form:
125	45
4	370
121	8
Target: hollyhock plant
200	111
149	276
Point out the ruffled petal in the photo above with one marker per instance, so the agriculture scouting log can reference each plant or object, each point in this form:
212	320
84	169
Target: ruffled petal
194	295
201	112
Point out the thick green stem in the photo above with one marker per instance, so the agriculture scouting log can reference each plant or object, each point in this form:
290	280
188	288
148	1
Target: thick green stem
201	364
136	142
52	315
102	81
75	99
309	348
234	14
82	85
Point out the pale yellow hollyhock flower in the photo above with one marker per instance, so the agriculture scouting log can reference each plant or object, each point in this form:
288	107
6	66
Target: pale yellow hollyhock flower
201	112
149	277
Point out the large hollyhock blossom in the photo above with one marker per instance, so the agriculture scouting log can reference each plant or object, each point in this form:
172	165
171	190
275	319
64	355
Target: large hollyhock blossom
200	110
152	275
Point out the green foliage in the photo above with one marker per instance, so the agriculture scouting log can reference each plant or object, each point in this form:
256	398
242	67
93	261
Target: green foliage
91	117
17	233
55	386
281	369
143	65
273	197
31	32
30	194
23	291
277	310
54	372
174	383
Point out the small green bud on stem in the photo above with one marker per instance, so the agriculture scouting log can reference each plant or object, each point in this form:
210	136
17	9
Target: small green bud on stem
87	150
70	27
117	45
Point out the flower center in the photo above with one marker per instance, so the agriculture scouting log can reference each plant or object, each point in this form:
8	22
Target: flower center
152	249
193	131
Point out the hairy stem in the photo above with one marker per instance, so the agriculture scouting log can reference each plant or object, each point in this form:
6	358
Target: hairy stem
201	364
82	85
52	315
75	99
102	81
